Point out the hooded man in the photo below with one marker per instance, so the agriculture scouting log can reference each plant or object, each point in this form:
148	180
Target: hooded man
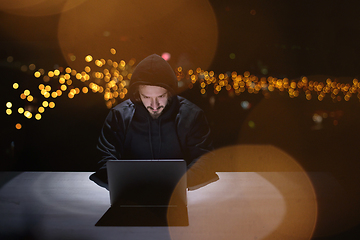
154	123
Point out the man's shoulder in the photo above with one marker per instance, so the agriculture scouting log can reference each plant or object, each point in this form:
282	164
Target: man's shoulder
186	105
124	105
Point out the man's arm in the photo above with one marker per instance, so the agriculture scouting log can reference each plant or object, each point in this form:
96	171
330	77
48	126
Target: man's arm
109	145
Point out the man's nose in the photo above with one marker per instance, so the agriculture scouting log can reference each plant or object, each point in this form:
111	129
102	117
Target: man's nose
154	103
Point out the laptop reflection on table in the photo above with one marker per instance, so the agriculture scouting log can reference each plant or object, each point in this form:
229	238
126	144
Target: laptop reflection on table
146	193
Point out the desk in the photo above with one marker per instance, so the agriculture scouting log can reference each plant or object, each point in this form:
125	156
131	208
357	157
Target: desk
240	205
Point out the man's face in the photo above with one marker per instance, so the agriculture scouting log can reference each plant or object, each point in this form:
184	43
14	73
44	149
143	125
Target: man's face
154	98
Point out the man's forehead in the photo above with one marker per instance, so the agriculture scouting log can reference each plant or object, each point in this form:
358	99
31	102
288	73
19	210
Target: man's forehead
151	90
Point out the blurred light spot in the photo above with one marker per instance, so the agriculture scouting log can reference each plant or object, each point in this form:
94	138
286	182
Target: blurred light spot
23	68
166	56
317	118
41	109
212	101
15	85
10	59
38	116
113	51
251	124
20	110
8	104
232	56
27	92
253	12
106	33
264	70
72	57
51	104
45	103
8	111
63	87
85	90
32	67
37	74
28	114
30	98
18	126
88	58
22	96
245	105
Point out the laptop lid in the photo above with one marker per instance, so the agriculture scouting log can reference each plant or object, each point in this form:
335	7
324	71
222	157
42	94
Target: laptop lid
147	182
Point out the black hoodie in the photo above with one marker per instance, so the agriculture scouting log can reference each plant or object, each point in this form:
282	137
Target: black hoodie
129	132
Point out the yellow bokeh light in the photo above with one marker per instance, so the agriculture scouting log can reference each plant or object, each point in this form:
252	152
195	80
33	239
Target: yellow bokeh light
30	98
8	104
61	80
63	87
58	92
54	94
70	95
28	114
51	105
38	116
51	74
113	51
48	88
85	90
15	85
41	87
27	92
69	82
47	95
68	70
22	96
18	126
87	69
88	58
57	72
20	110
8	111
37	74
45	103
41	109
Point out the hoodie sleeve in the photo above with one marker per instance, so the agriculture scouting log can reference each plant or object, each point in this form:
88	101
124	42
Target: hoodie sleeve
110	144
198	140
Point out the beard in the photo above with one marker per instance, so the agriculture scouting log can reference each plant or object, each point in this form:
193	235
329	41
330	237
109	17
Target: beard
156	114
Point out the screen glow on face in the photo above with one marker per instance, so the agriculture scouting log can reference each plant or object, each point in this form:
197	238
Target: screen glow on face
154	98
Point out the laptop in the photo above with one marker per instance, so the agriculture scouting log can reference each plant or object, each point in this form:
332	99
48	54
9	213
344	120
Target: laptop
147	192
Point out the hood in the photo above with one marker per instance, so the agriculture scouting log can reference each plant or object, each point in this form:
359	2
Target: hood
153	70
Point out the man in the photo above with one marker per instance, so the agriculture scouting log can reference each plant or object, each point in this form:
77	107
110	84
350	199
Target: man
154	123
